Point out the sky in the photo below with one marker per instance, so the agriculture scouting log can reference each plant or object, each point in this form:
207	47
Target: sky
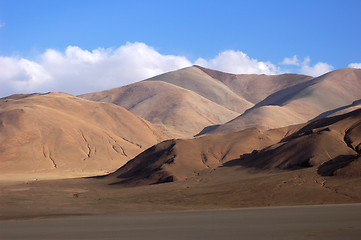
82	46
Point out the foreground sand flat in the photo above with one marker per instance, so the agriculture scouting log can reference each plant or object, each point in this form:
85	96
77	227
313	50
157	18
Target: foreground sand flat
302	222
226	187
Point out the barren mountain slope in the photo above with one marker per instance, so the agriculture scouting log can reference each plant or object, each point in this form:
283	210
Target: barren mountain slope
331	144
256	87
178	111
180	159
196	80
341	110
63	133
301	102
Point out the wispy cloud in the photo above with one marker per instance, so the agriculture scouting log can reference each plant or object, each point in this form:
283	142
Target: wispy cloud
354	65
2	24
291	61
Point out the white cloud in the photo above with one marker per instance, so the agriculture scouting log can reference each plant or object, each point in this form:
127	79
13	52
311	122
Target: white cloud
354	65
237	62
2	24
291	61
79	71
21	75
315	70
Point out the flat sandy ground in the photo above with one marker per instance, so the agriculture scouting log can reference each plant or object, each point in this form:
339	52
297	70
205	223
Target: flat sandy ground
297	223
225	187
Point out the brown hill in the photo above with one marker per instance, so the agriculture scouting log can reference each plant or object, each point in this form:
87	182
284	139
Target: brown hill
331	144
198	81
301	102
256	87
178	111
203	97
180	159
63	133
341	110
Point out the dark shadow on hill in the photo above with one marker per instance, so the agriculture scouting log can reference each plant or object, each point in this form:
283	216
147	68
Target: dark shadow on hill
147	167
330	167
320	123
328	113
259	160
207	129
281	97
265	159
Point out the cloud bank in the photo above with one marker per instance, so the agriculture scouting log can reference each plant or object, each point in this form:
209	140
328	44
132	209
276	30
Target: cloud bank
79	71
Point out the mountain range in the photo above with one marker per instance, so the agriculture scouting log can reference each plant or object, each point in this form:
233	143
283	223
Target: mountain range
258	121
193	138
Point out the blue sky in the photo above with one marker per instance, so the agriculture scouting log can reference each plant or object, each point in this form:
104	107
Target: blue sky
234	36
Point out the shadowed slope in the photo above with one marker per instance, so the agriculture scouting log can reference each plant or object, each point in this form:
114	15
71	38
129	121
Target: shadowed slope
58	131
180	159
178	111
341	110
332	144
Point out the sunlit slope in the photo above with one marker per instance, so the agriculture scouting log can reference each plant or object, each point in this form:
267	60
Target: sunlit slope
58	131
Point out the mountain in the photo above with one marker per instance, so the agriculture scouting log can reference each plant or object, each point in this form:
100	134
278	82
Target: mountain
256	87
299	103
64	133
331	145
198	81
178	111
341	110
185	101
180	159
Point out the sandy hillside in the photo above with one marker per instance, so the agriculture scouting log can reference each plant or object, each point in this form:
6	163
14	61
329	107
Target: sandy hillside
256	87
185	101
64	133
315	163
302	102
341	110
178	111
333	145
196	80
174	160
326	142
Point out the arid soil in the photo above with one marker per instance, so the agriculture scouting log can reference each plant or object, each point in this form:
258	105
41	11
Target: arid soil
224	187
